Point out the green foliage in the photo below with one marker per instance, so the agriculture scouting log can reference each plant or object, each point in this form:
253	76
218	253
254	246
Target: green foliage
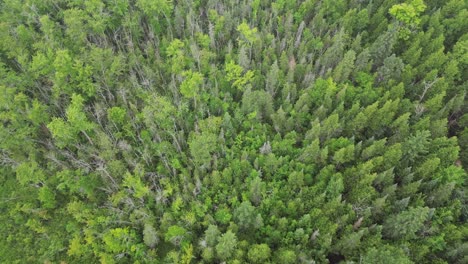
165	131
408	14
150	236
259	253
286	256
29	172
190	87
117	115
155	7
247	218
66	132
176	54
133	182
234	74
248	34
202	147
117	240
47	197
407	223
386	254
227	243
212	235
176	235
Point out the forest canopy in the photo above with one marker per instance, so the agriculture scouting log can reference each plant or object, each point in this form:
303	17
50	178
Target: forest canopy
288	131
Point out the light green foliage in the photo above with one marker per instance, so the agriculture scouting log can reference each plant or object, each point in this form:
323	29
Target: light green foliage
75	115
63	65
345	154
452	174
223	216
234	74
66	132
345	67
249	35
117	240
75	25
205	143
41	63
175	53
150	7
286	256
61	132
117	115
408	14
47	197
29	172
176	235
417	145
76	247
139	190
296	179
259	253
72	76
190	87
38	113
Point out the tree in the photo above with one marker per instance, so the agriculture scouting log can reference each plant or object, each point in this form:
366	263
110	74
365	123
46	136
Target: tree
247	218
391	69
117	115
416	145
236	75
66	132
118	240
248	35
272	79
408	15
257	103
134	183
176	56
212	235
28	172
202	146
256	190
383	47
259	253
386	254
405	224
345	67
176	235
155	7
286	256
150	236
227	243
47	197
190	87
